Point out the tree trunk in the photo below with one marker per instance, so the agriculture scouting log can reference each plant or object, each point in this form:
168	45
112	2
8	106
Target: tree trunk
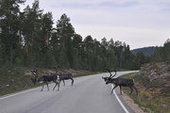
11	52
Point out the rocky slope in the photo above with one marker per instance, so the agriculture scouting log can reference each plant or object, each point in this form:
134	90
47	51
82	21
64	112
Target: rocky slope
157	77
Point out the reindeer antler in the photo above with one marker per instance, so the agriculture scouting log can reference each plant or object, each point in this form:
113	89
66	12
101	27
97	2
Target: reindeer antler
114	73
111	76
109	72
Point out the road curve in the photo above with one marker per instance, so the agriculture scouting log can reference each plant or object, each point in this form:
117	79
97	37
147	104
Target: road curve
89	94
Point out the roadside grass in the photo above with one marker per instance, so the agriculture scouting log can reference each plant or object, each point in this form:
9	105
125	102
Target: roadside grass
18	79
148	99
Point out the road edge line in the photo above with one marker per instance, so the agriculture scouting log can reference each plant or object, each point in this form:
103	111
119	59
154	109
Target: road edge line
124	108
18	93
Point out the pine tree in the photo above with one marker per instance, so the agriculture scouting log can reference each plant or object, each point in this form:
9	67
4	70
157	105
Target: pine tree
9	21
65	33
32	34
77	47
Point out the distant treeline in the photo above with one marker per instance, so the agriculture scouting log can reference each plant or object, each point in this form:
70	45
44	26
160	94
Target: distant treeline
28	38
155	54
162	53
146	50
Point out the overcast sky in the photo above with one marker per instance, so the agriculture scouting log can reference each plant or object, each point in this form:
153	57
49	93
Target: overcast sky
139	23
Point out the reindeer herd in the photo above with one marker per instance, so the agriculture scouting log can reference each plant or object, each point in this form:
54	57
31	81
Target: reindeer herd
57	78
54	77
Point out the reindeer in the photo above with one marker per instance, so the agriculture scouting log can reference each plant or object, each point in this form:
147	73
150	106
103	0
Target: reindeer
46	79
121	82
65	76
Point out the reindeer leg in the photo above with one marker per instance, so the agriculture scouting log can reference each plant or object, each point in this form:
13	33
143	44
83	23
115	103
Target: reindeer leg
113	89
55	85
58	86
131	90
64	82
120	90
135	90
47	86
72	81
42	87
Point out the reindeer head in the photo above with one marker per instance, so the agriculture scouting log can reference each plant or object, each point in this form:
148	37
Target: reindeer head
105	78
34	72
35	76
110	79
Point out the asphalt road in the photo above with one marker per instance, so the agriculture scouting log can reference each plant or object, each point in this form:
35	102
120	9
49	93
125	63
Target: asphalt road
89	94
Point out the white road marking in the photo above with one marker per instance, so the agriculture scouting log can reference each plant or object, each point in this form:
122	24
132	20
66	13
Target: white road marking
124	108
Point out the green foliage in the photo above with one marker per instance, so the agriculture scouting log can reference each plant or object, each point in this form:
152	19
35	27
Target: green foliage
28	38
162	53
10	27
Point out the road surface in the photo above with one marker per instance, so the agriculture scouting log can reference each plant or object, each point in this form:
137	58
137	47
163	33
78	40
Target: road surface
89	94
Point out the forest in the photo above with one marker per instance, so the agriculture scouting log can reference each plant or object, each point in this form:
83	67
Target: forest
28	38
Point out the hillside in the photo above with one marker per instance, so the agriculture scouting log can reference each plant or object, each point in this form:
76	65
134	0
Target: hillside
146	50
155	79
153	84
158	74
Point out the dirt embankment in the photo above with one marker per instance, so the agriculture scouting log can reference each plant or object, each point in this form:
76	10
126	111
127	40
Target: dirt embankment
153	84
157	77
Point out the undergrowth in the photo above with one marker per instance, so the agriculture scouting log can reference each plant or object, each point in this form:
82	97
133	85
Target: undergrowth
150	97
